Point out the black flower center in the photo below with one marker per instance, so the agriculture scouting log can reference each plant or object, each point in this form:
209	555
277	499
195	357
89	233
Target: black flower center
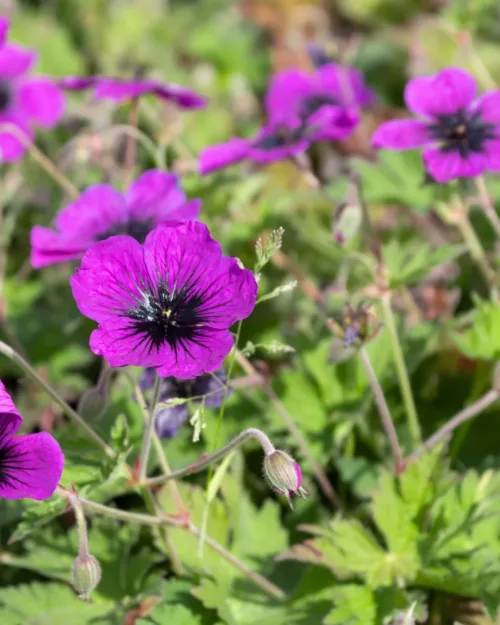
11	462
139	230
462	132
5	96
175	317
313	103
280	138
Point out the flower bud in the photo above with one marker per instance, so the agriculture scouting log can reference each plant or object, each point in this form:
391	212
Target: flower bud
283	474
86	575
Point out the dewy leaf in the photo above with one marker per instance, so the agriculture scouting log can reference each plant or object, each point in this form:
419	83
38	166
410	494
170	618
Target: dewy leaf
354	605
47	604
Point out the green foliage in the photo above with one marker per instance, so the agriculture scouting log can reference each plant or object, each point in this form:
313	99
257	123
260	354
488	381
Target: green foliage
481	338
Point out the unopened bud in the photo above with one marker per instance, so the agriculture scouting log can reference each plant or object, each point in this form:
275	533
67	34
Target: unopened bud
95	400
283	474
347	222
86	575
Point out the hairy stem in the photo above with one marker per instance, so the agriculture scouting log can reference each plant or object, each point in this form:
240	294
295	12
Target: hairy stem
320	475
487	204
464	415
6	350
215	456
44	162
158	521
383	408
404	380
149	428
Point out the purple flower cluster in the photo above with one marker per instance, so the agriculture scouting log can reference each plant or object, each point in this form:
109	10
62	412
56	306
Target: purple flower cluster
459	132
30	465
25	101
101	211
302	108
207	388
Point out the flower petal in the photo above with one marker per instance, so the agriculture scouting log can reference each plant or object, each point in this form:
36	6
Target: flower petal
110	279
445	166
35	465
11	146
401	134
332	122
121	89
10	419
41	101
49	247
78	83
95	212
492	149
198	358
444	93
346	84
286	91
168	421
4	29
15	60
157	195
489	105
222	155
184	98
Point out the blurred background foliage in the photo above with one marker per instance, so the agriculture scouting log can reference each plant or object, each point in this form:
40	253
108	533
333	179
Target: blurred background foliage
424	547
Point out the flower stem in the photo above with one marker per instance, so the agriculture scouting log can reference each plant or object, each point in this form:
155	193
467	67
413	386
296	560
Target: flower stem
149	428
83	539
404	380
44	162
209	460
158	521
487	204
6	350
383	408
461	417
320	475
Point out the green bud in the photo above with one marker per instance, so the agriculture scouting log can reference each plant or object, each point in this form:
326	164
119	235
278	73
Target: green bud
283	474
86	575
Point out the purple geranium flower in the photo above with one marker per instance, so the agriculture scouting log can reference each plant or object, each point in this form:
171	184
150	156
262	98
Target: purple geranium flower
101	212
208	388
460	134
30	465
25	101
167	304
121	89
331	88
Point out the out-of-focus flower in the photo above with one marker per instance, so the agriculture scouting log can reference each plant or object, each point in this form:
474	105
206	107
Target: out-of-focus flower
25	101
357	326
459	133
101	212
278	140
283	474
207	388
30	465
332	88
167	304
122	89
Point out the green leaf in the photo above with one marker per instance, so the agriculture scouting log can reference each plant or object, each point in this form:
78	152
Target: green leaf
168	614
354	605
481	339
47	604
37	515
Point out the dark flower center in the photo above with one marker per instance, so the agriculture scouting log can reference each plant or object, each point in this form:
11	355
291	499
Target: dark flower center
313	103
280	138
11	467
175	317
462	132
139	230
5	96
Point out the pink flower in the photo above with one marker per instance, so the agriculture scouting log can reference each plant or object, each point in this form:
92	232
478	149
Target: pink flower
30	465
25	101
167	304
460	133
101	212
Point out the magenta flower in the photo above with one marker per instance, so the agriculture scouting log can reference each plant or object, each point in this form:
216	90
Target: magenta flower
30	465
459	133
121	89
167	304
310	96
101	212
25	101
